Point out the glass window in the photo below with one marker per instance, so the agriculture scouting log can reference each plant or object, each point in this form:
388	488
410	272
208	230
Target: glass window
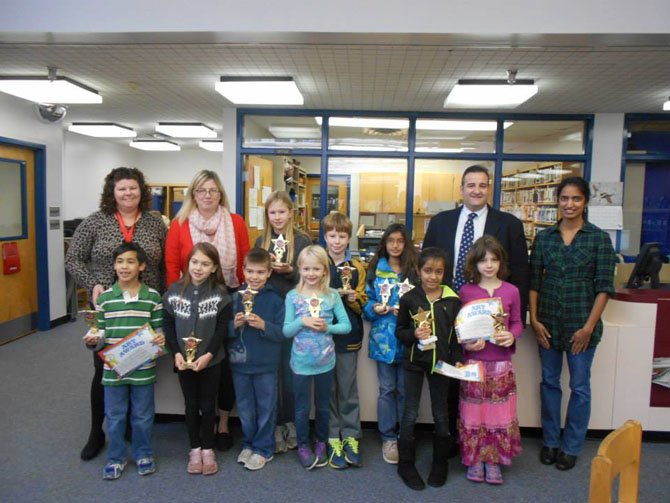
529	191
437	187
455	136
265	174
649	137
12	202
281	131
374	190
368	133
544	137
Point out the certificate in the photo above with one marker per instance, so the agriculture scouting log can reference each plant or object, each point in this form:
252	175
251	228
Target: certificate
475	319
473	372
132	351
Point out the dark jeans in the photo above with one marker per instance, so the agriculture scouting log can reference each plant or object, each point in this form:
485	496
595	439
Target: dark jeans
199	389
439	389
301	390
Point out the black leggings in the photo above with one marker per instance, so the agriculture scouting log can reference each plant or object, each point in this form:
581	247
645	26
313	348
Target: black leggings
199	389
97	396
226	394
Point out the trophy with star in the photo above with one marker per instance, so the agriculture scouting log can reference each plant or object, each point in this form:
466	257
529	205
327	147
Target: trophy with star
314	306
423	319
385	291
498	322
346	274
248	300
191	350
279	248
403	288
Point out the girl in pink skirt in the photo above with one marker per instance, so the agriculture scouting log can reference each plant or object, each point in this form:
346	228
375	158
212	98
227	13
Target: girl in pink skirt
488	427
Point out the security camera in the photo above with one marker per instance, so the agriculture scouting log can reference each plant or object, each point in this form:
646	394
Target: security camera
51	112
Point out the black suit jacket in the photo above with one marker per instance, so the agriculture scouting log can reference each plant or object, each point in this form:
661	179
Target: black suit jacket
505	227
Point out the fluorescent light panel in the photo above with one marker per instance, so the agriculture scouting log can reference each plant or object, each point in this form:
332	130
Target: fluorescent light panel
102	130
366	122
458	125
211	145
155	145
490	93
666	106
185	130
295	132
42	90
260	90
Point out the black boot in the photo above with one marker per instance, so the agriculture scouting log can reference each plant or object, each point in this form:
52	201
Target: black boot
440	468
95	443
406	469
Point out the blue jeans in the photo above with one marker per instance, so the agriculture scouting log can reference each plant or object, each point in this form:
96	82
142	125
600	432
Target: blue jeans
579	406
301	393
141	420
257	407
391	400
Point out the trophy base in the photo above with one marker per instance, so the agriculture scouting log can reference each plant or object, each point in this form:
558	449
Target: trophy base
426	347
189	366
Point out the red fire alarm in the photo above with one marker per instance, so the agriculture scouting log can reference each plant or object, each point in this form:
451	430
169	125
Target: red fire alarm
11	261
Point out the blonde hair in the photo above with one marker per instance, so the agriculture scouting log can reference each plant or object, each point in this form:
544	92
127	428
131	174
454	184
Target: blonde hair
189	203
317	253
282	197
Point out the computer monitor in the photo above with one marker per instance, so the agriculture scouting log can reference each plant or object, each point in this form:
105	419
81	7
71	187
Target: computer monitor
647	266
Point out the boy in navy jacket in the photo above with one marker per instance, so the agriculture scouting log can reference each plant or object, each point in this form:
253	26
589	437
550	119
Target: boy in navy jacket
254	350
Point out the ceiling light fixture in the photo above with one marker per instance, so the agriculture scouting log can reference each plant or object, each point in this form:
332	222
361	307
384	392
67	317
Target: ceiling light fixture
102	130
302	132
509	93
185	130
211	145
666	105
155	145
260	90
49	89
366	122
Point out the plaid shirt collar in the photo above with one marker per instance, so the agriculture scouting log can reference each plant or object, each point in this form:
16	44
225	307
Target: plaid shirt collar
588	227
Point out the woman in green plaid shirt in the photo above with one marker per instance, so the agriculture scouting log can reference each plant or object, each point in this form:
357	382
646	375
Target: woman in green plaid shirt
572	272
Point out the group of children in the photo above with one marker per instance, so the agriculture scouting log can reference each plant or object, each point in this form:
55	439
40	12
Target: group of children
296	324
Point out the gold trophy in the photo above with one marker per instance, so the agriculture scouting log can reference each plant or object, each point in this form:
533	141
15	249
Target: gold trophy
248	300
91	319
279	249
346	274
191	349
403	288
498	322
385	292
425	319
314	306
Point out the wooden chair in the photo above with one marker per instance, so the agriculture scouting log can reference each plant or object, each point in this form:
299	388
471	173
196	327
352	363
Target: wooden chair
618	454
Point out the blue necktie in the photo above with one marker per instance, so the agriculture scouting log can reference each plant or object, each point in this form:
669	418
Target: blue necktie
467	239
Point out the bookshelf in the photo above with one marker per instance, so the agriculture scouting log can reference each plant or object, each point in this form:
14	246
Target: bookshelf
296	186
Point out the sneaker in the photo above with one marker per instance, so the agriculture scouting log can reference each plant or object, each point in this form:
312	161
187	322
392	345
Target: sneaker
209	464
307	458
351	454
194	466
256	462
291	436
475	473
146	466
280	439
390	451
113	470
320	453
244	456
493	474
335	455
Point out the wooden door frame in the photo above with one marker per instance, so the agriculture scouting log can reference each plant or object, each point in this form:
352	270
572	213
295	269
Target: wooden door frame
41	233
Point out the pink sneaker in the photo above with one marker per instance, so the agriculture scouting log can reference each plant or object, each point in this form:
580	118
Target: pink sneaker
194	461
493	474
209	464
475	472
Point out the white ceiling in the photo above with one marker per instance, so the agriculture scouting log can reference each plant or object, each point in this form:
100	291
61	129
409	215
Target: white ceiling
145	83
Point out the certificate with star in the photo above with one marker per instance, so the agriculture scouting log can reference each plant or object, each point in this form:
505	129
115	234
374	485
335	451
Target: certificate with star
476	319
132	351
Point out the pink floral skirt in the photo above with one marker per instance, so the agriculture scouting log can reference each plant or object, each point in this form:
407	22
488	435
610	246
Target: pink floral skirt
488	427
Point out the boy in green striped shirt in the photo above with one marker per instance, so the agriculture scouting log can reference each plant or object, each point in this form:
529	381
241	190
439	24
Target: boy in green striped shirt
126	306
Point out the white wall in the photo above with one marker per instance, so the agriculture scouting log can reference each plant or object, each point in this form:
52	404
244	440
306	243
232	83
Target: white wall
607	145
18	121
376	16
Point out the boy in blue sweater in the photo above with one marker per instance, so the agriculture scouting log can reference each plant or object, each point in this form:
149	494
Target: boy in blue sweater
347	276
254	349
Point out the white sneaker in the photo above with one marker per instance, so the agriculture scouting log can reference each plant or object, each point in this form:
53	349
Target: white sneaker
291	436
256	462
390	451
244	456
280	439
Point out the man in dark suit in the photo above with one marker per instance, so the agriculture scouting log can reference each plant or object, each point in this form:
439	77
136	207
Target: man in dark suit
446	230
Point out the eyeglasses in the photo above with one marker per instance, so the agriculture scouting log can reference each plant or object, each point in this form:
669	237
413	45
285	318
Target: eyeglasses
202	192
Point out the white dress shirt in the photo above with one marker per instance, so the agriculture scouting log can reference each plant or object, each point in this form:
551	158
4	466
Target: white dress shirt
478	223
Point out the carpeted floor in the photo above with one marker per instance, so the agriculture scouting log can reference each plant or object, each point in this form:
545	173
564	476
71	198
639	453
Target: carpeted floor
44	419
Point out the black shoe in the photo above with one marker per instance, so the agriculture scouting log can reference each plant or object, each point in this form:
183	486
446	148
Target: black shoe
548	455
224	441
565	461
410	476
96	441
